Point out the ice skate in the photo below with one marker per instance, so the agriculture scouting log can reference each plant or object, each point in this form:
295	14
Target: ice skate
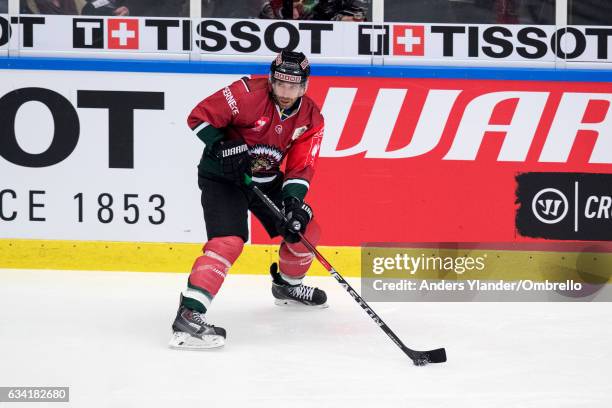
192	332
299	295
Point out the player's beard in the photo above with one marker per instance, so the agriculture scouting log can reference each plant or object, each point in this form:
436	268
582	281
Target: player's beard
284	103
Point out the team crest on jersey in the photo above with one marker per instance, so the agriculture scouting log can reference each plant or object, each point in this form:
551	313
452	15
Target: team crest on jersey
260	123
298	132
279	129
265	158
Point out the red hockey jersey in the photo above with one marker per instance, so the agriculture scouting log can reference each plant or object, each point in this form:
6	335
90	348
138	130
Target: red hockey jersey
245	110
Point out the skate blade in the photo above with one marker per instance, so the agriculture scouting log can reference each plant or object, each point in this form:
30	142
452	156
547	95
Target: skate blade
296	304
184	341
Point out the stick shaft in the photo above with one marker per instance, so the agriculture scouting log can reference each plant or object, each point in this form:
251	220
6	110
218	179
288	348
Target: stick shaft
373	315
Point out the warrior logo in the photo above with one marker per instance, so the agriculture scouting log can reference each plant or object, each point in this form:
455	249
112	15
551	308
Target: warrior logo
550	206
265	158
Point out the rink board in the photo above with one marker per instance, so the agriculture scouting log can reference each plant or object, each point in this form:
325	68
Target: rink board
409	155
501	263
230	39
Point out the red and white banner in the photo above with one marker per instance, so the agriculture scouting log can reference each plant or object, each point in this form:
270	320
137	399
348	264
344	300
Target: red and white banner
436	160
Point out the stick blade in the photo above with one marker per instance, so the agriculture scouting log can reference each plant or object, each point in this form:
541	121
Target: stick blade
437	355
421	358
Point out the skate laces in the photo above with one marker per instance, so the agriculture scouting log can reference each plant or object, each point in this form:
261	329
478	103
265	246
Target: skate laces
199	318
302	292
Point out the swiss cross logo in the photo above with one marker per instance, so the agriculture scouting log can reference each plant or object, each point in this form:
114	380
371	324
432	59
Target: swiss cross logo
122	34
408	40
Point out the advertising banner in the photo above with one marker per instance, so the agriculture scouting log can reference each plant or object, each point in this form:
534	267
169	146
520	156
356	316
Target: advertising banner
101	156
438	159
405	43
108	156
335	41
4	34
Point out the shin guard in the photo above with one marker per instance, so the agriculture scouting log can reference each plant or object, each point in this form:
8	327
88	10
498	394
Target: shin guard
209	271
295	259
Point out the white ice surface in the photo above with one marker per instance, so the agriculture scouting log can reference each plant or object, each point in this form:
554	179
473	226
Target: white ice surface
105	334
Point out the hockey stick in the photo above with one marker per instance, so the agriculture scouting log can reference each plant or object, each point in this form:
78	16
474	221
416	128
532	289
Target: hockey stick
419	358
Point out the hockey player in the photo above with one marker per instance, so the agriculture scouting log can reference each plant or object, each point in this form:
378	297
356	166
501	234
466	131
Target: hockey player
251	127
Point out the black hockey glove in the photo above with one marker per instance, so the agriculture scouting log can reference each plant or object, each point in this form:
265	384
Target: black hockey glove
298	215
234	158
